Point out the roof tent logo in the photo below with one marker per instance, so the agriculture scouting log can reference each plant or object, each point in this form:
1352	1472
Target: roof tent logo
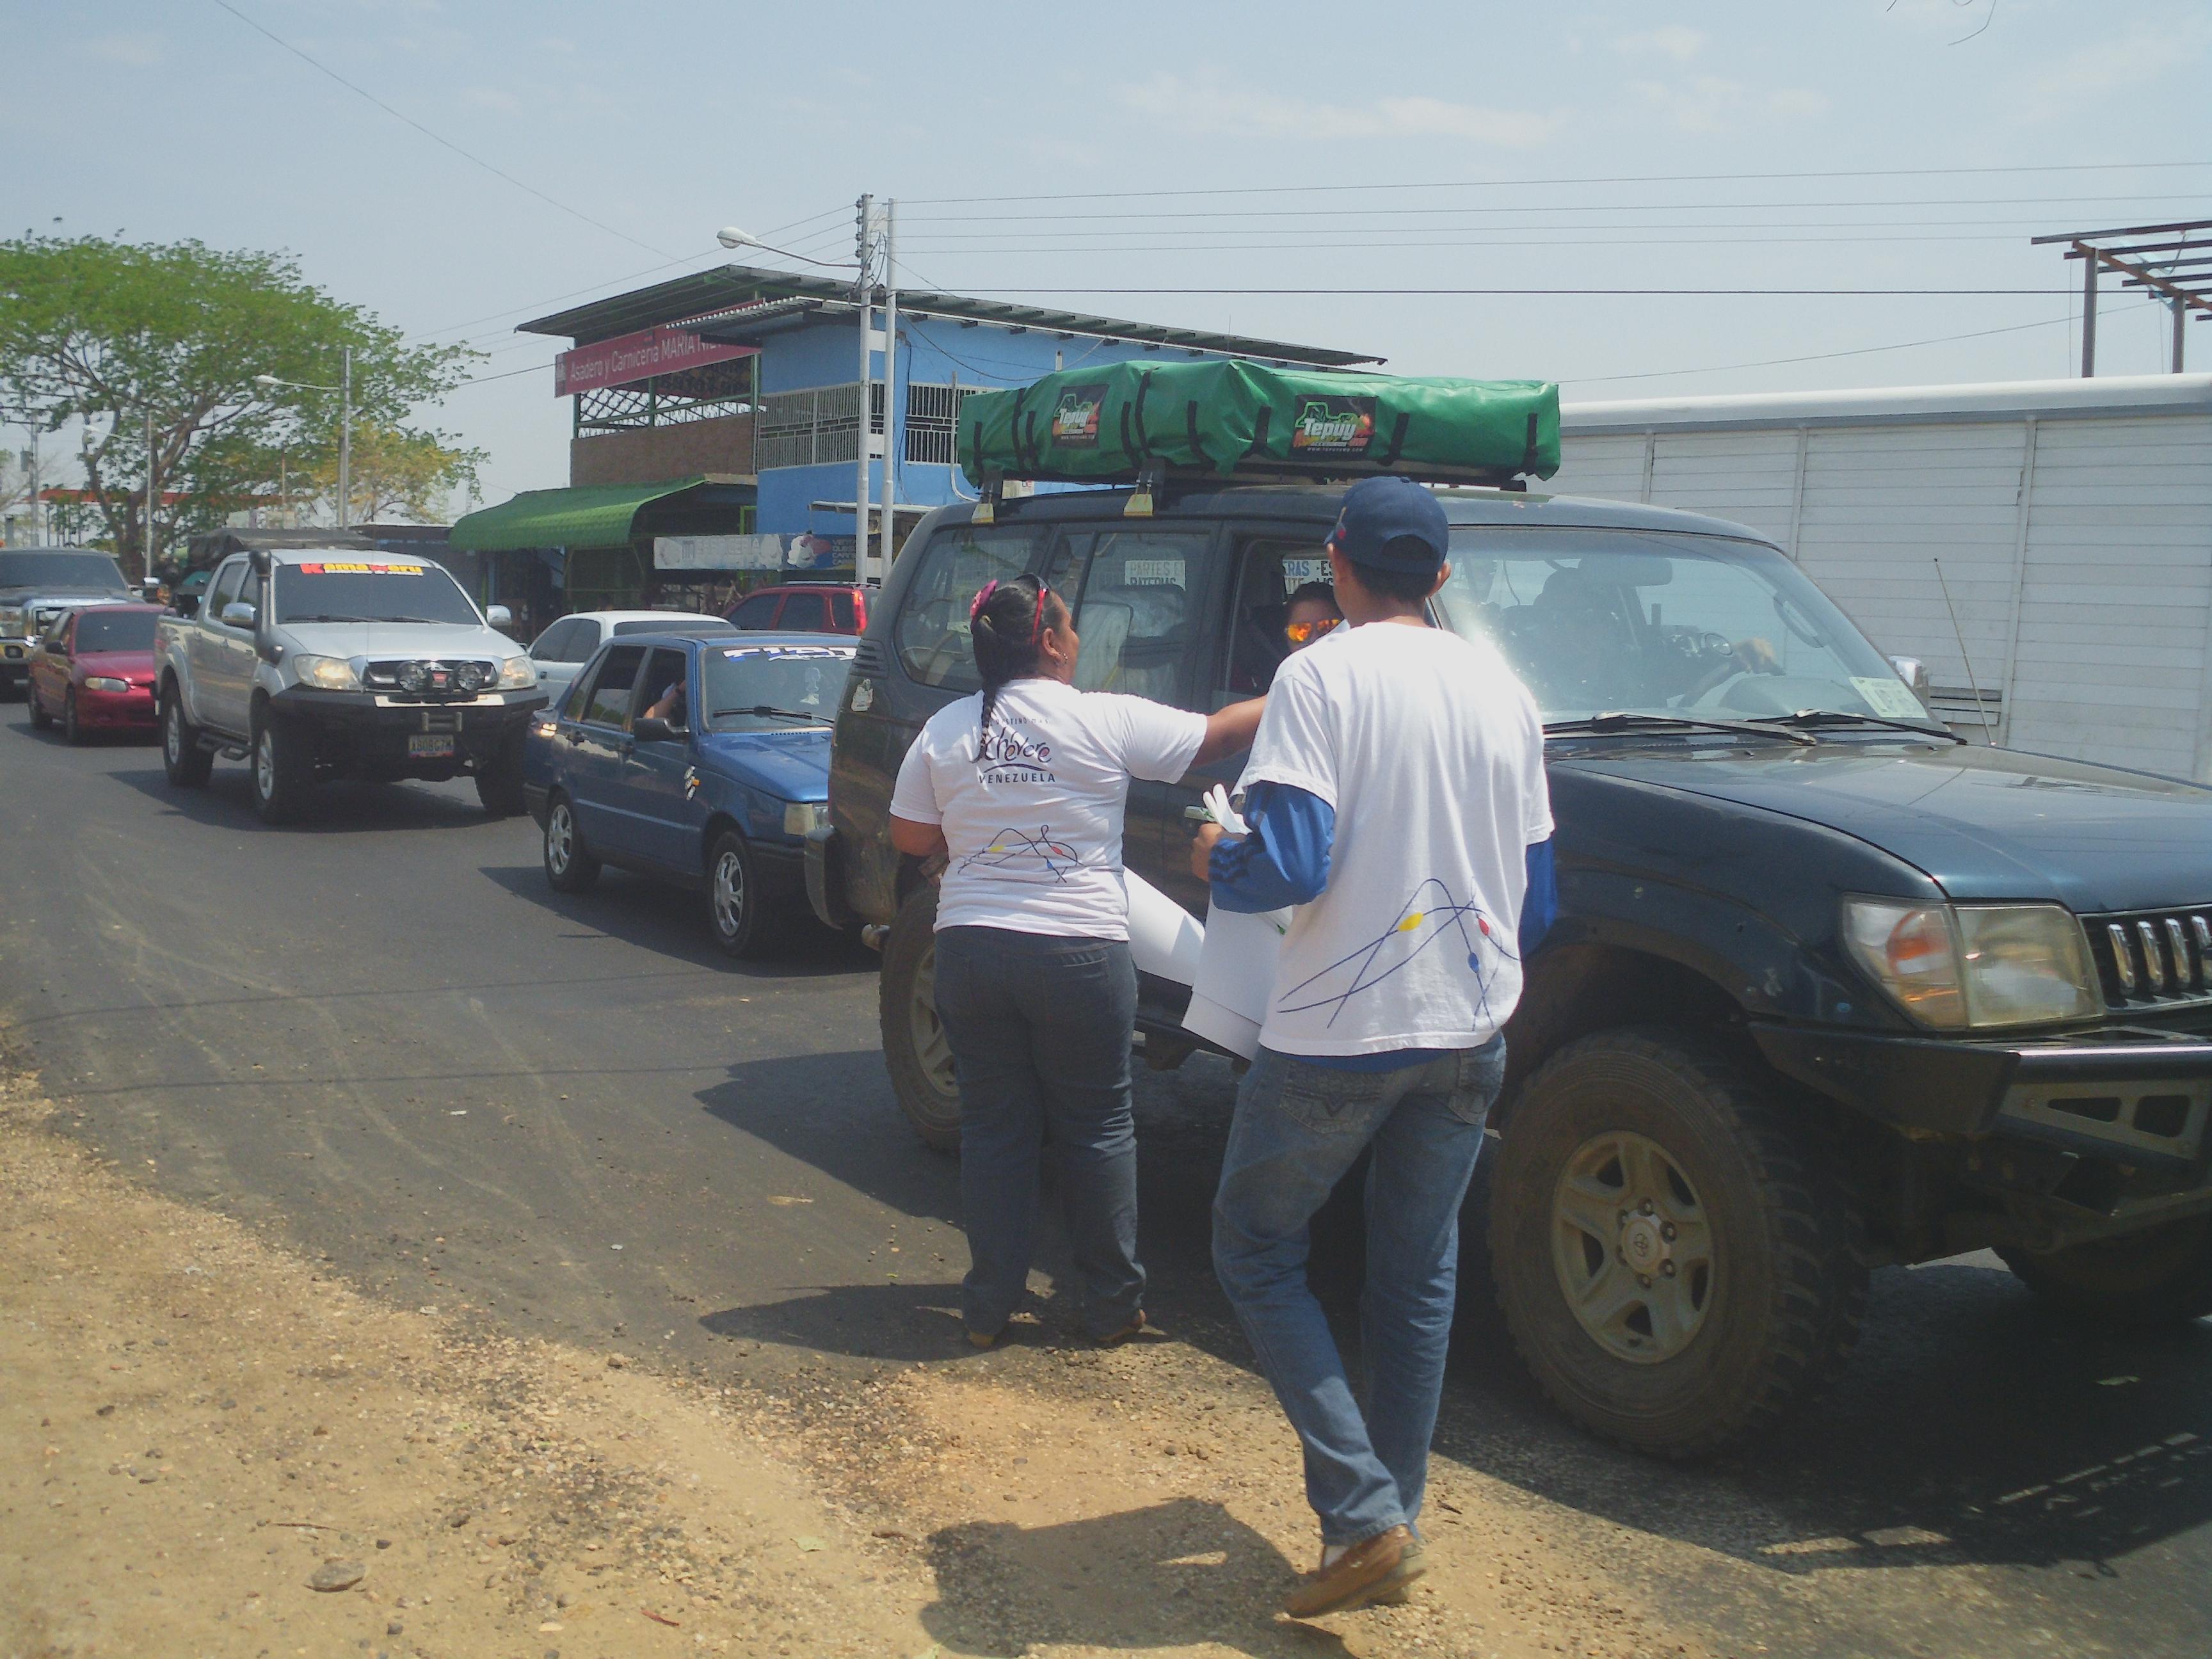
1075	418
1332	425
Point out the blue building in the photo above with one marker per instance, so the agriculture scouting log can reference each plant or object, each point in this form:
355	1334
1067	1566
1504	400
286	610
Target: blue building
728	403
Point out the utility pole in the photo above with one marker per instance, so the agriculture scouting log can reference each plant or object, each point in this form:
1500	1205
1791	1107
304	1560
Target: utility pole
2088	314
345	442
2180	317
890	382
38	505
153	495
864	295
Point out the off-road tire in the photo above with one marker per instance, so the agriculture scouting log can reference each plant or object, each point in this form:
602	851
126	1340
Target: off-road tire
2160	1276
570	865
1787	1279
39	719
738	914
281	763
186	764
914	1051
73	732
499	782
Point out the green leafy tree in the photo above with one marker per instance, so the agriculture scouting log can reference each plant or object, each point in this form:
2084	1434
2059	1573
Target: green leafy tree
125	339
398	474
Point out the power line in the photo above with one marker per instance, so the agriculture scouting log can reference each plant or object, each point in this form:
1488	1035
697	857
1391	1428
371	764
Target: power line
1544	292
466	156
1817	356
1382	246
509	374
1513	183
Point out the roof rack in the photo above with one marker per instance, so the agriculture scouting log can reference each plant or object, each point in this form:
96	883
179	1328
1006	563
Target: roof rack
1152	484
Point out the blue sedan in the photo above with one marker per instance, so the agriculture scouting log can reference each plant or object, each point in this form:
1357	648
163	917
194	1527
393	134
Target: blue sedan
698	760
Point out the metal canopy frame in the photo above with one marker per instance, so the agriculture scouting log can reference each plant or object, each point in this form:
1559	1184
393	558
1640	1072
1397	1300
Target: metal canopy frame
2172	261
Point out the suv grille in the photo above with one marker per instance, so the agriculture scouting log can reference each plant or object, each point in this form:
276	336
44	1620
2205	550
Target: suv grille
2154	958
430	679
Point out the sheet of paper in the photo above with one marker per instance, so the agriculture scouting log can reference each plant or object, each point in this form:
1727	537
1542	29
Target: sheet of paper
1891	699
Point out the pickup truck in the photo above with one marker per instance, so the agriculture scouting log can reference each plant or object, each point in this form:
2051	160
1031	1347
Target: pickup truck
325	664
36	585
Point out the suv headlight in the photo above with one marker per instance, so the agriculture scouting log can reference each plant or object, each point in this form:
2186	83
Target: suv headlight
326	673
1975	966
802	816
517	674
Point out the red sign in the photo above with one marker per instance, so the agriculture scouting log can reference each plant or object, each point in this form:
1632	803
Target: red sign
667	349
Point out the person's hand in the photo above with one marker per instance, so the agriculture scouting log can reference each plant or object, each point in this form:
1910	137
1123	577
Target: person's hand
1201	850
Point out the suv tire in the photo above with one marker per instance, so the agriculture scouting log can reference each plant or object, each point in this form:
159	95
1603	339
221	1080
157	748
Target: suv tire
281	763
186	765
570	865
499	780
1651	1148
2162	1275
735	908
916	1051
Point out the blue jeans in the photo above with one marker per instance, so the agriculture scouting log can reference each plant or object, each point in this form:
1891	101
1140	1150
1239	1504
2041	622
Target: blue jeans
1298	1128
1040	1030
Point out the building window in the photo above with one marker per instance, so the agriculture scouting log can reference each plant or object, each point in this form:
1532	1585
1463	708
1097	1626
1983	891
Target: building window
813	428
932	421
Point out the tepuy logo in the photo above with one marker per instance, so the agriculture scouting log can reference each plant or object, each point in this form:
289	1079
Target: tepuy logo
1332	425
1075	418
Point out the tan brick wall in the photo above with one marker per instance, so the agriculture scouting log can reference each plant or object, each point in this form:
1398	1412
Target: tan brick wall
650	454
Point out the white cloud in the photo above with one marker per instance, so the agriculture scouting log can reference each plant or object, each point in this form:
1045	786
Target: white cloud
1674	40
2099	70
492	98
1714	104
1206	107
139	50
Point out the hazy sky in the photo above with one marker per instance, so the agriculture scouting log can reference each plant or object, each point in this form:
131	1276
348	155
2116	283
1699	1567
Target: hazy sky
1484	146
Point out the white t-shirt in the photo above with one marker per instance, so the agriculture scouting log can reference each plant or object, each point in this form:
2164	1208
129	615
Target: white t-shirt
1033	822
1431	754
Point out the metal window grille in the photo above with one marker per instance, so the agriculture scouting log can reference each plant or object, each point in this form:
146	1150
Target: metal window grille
815	427
694	394
932	421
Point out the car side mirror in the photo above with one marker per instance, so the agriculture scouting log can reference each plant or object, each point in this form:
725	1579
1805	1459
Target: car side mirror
1914	673
185	604
500	616
651	728
238	614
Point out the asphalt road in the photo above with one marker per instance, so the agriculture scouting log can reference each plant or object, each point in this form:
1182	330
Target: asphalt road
382	1034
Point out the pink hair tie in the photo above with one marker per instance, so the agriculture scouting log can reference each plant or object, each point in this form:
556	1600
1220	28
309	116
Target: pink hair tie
982	597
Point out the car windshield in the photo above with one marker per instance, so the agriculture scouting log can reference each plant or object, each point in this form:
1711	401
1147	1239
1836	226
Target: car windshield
357	590
1602	622
115	630
85	571
797	684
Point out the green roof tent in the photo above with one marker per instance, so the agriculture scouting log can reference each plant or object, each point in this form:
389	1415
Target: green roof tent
604	515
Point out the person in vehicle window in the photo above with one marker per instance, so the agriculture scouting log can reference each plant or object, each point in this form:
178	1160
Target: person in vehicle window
1021	789
669	705
1396	797
1311	613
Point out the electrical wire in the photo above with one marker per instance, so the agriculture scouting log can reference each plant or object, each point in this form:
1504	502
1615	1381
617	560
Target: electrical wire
437	138
1562	293
1379	247
1817	356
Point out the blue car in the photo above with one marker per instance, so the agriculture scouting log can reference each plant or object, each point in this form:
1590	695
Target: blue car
700	760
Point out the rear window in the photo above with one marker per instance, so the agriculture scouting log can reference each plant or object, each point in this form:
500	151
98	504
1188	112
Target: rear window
370	590
690	625
757	612
841	614
124	630
931	636
86	572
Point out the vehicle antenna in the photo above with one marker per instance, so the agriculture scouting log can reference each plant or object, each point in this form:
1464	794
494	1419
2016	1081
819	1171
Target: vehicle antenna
1981	714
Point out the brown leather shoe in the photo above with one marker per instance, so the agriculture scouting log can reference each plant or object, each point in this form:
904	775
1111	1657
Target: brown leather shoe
1366	1572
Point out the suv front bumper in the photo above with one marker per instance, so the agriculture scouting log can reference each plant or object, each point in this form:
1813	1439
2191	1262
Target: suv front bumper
381	725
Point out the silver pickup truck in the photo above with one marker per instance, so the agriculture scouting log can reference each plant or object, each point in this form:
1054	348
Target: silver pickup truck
325	663
37	584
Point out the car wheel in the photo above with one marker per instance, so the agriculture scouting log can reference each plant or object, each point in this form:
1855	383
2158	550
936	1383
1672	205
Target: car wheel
498	781
186	763
569	868
2161	1275
283	767
39	719
736	910
1676	1257
72	731
915	1050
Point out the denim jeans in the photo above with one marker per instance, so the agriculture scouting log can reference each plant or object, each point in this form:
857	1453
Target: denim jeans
1298	1128
1040	1030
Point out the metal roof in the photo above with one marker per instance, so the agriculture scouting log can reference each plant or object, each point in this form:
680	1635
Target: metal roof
1996	400
586	515
710	296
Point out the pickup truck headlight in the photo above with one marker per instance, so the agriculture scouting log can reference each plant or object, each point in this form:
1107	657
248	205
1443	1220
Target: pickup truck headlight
801	816
11	619
104	682
326	673
517	674
1975	966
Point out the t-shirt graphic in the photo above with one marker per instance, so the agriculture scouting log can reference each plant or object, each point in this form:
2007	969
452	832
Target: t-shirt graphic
1431	918
1031	809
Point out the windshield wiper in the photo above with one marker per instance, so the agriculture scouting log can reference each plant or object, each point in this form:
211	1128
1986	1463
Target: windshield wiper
1606	725
763	710
1812	717
321	617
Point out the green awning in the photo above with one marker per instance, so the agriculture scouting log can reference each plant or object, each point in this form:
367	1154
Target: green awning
594	515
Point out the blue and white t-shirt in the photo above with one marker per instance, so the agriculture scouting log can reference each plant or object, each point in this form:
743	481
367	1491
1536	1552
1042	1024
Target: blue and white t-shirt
1031	812
1430	753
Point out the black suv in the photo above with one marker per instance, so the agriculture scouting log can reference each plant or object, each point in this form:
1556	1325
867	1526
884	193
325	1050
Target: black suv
1830	989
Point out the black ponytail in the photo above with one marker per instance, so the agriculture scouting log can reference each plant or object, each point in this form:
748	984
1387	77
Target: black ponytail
1006	632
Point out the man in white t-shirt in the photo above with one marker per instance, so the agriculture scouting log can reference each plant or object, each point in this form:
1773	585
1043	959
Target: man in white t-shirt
1395	797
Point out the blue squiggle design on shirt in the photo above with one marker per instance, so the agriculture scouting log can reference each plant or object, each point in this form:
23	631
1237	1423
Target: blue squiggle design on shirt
1412	918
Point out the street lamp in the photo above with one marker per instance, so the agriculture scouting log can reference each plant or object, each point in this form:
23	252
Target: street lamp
344	389
731	237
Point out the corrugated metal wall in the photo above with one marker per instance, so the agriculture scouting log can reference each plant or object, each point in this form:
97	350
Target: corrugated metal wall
2078	552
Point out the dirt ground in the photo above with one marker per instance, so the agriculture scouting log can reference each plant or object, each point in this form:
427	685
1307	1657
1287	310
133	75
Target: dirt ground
210	1447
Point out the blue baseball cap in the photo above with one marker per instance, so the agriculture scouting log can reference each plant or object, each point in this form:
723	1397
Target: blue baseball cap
1392	524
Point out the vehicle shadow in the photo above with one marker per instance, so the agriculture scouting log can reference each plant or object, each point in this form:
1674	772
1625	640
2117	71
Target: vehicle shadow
342	808
1973	1425
1171	1575
669	920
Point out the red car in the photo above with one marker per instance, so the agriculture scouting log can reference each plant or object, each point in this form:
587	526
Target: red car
93	671
805	608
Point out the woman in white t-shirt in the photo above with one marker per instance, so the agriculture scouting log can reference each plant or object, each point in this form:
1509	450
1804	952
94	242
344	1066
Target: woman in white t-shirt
1020	789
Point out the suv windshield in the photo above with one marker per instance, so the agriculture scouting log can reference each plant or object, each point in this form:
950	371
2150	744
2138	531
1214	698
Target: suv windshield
115	630
800	683
90	573
1602	622
354	590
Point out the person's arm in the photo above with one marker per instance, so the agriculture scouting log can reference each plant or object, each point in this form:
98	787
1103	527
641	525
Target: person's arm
921	841
1229	731
917	826
1283	861
1540	905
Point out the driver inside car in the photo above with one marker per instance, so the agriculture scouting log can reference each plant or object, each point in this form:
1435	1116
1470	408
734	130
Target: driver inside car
670	706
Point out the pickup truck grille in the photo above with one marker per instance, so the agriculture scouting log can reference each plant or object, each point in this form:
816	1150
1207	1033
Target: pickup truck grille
2154	958
431	679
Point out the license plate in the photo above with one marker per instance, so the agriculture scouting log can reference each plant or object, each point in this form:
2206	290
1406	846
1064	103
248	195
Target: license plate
429	748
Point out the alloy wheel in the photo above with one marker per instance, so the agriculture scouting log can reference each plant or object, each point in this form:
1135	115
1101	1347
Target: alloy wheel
173	732
264	764
560	839
729	896
1633	1248
931	1046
